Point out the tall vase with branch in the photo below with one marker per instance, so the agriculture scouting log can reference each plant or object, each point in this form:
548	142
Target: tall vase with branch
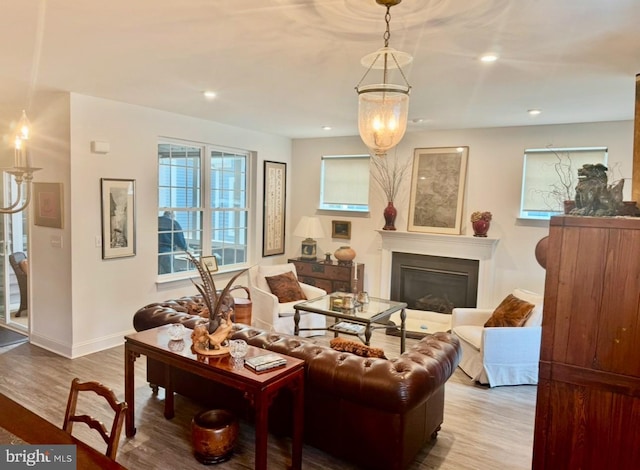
388	173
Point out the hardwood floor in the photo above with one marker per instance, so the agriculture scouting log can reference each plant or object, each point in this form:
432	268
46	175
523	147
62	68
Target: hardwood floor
483	428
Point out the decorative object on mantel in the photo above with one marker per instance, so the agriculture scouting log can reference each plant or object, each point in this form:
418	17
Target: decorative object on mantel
212	340
327	258
388	173
481	221
345	255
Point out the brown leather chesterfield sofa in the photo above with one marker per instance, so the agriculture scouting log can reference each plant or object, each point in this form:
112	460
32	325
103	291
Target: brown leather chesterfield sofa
376	413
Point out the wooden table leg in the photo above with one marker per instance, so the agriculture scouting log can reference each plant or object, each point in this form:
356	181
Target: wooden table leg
298	421
296	322
129	390
262	412
403	330
367	334
168	393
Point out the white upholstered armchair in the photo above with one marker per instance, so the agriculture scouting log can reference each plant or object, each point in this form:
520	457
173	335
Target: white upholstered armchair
270	314
500	355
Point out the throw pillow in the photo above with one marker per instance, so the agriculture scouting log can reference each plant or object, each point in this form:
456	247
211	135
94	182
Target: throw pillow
286	287
355	347
272	270
512	311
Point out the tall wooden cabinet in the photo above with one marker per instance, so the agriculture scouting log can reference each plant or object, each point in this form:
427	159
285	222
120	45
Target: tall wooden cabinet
588	406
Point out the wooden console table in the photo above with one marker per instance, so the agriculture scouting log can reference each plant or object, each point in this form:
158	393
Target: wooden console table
259	389
330	277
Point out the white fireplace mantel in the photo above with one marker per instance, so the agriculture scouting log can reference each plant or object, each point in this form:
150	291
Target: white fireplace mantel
448	246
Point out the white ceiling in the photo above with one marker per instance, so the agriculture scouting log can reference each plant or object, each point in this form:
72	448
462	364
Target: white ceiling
289	67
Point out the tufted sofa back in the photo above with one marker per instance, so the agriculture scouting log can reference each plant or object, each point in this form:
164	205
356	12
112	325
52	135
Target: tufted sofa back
376	413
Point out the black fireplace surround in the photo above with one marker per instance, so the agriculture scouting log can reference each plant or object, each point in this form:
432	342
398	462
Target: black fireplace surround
434	283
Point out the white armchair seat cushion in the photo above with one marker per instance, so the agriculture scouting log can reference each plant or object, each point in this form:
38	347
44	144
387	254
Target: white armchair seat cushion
470	334
286	309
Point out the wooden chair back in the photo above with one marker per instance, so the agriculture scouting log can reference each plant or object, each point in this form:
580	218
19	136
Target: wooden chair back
111	438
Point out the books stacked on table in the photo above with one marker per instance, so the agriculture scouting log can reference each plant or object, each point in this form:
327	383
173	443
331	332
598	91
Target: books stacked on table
265	362
349	327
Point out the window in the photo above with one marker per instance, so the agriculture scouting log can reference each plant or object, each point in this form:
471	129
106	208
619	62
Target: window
344	183
203	212
550	176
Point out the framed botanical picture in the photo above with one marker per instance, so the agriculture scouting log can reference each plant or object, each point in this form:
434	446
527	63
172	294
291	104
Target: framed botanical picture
118	200
437	190
47	198
341	229
275	191
210	263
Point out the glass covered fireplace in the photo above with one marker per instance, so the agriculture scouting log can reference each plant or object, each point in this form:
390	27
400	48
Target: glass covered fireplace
434	283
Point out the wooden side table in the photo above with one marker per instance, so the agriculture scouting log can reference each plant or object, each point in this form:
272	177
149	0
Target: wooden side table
259	389
330	277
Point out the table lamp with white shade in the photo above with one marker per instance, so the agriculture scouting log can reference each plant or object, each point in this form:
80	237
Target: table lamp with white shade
309	228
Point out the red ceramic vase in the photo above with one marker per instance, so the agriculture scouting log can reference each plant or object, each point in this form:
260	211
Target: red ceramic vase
480	228
390	213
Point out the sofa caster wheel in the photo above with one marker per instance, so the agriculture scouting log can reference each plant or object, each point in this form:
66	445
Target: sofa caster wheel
154	388
434	434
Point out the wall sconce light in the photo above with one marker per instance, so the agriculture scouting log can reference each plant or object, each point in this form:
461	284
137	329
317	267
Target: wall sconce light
22	170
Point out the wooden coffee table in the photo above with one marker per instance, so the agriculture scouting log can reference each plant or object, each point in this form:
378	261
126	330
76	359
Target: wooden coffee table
377	311
259	389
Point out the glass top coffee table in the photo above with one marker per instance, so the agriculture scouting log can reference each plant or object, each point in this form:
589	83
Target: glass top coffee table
358	320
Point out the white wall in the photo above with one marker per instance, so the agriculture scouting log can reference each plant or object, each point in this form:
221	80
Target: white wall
82	303
50	280
99	297
494	176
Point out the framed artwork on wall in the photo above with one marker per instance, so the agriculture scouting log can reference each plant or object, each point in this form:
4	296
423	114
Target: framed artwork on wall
47	198
341	229
437	190
210	263
273	215
118	198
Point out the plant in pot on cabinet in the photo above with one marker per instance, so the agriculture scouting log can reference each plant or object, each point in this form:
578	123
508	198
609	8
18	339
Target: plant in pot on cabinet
388	173
559	196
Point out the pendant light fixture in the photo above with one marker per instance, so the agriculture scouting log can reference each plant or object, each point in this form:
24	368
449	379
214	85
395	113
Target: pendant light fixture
383	107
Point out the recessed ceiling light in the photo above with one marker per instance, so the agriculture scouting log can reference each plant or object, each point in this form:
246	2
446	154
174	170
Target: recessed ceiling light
421	121
326	128
490	57
534	112
209	94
